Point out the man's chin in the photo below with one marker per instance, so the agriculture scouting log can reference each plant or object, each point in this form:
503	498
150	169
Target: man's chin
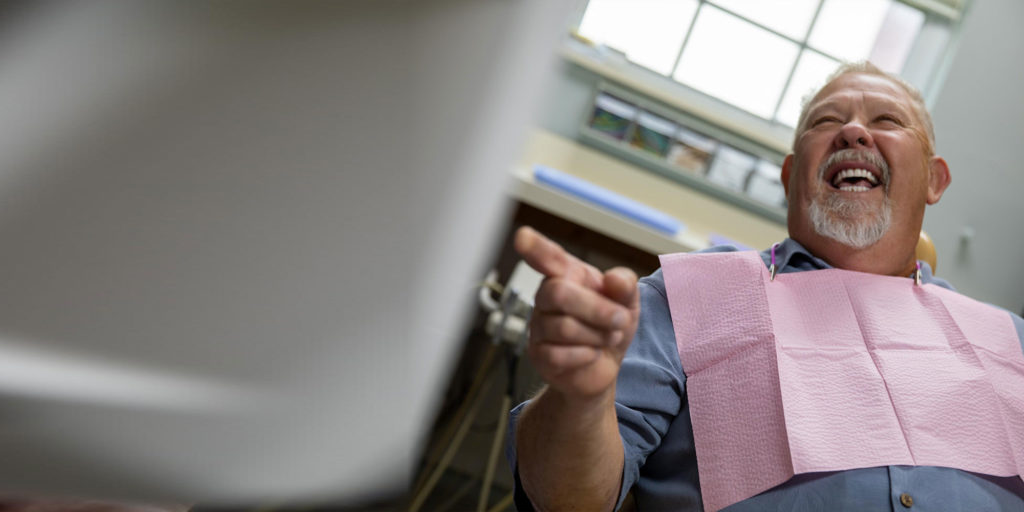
854	224
853	236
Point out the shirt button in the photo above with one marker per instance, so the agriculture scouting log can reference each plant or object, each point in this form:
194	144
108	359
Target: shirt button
906	500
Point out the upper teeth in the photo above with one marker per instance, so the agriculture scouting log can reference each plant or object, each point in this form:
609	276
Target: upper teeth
854	173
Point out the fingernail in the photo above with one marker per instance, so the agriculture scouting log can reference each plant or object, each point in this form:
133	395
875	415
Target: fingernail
618	319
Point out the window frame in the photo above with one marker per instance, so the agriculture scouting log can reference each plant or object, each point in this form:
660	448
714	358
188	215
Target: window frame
770	133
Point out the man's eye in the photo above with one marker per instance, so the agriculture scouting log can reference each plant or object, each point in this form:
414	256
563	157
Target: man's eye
890	119
823	120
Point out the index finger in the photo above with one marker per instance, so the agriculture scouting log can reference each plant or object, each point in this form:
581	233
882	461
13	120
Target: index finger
550	259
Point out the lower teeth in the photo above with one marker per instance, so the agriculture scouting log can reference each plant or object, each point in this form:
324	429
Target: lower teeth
855	188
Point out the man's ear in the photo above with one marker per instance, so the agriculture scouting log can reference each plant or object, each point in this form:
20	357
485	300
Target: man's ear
938	178
787	166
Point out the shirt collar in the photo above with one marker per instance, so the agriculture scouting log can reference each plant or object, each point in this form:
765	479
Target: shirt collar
790	256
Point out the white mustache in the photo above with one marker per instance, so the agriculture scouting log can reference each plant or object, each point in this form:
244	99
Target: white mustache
856	155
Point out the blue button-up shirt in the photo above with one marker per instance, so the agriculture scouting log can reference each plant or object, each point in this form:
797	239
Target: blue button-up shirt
661	465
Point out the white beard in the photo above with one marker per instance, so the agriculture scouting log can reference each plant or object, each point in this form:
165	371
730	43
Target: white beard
851	222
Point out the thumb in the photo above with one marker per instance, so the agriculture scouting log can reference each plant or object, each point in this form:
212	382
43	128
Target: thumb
620	284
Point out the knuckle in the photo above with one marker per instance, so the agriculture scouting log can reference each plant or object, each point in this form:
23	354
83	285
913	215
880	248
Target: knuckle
545	361
567	329
560	292
561	359
545	294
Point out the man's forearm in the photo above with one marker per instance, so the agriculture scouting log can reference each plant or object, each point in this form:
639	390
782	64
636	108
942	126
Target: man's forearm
570	454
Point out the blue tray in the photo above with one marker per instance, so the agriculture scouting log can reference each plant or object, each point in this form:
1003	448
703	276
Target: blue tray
607	199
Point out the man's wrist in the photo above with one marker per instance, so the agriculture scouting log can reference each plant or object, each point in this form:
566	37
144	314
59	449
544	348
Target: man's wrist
584	409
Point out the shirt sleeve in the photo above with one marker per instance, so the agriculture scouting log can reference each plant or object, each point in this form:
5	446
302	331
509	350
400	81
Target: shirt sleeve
649	390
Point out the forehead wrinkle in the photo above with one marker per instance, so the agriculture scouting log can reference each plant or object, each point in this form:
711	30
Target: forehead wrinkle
868	98
887	102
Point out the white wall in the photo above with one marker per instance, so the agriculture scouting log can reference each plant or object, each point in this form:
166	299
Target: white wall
979	119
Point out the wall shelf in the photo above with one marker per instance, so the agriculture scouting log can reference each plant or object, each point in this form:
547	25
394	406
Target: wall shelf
625	150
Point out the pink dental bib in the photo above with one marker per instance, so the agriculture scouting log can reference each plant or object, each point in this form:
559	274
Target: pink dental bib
830	370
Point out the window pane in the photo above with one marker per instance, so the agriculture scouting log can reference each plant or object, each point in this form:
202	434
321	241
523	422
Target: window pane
811	72
896	37
735	61
847	29
649	32
790	17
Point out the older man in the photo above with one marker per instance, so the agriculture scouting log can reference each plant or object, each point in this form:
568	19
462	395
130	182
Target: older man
616	413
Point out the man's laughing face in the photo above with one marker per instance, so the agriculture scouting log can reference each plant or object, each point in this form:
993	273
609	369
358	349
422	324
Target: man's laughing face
860	168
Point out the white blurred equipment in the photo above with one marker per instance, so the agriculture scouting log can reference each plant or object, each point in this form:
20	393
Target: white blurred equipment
240	238
507	324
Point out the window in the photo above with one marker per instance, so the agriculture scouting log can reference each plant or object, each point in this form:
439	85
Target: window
763	57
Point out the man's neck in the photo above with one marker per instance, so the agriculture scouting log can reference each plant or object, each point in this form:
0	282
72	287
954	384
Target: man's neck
885	257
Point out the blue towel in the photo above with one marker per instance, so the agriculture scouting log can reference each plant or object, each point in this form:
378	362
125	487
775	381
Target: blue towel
605	198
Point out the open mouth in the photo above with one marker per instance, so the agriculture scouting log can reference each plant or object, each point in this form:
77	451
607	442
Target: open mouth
854	178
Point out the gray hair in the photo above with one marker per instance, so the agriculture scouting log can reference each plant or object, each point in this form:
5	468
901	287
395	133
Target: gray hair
867	68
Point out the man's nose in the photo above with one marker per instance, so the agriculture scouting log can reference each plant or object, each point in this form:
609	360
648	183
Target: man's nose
853	135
